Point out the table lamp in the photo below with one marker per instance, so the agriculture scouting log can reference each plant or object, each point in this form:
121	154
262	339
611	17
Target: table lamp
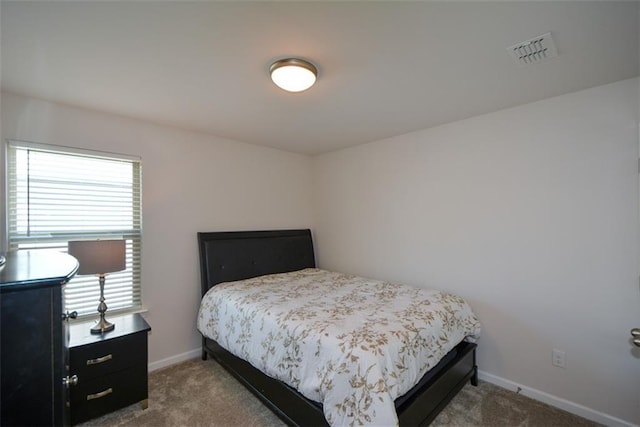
99	257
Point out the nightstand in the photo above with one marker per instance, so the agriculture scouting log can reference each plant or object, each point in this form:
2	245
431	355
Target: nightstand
111	368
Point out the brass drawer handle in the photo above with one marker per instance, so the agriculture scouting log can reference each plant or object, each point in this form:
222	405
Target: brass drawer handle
99	360
99	395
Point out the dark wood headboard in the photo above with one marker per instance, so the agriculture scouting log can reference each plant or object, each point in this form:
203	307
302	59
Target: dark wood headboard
236	255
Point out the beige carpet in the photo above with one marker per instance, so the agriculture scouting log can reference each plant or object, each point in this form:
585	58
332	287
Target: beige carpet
201	393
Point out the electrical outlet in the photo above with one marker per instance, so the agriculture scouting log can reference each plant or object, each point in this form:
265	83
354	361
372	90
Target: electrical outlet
559	358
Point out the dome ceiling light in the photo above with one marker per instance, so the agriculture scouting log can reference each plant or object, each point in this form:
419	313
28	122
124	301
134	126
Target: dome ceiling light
293	74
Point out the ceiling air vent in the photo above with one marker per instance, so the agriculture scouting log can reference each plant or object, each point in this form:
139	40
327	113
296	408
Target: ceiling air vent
535	50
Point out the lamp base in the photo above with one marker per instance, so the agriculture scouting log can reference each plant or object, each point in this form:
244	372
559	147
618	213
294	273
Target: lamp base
102	326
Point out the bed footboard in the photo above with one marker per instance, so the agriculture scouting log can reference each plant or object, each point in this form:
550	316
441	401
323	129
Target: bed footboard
430	398
290	406
424	403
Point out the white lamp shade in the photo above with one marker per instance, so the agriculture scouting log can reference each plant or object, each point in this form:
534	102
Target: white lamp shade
99	256
293	75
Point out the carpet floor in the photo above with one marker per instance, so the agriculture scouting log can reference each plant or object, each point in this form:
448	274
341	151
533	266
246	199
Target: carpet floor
201	393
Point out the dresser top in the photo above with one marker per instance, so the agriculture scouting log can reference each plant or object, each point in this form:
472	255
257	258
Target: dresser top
28	269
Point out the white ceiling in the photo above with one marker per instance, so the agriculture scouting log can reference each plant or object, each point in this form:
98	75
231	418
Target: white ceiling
385	67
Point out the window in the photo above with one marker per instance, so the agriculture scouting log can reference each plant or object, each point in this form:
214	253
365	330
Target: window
57	194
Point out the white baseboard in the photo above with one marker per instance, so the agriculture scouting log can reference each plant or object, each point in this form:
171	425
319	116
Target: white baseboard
555	401
159	364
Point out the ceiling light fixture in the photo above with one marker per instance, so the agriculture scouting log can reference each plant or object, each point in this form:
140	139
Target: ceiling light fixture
293	75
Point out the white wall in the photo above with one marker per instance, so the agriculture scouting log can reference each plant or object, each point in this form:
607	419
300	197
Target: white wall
531	214
191	182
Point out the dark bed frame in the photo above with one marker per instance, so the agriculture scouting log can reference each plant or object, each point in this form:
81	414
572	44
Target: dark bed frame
237	255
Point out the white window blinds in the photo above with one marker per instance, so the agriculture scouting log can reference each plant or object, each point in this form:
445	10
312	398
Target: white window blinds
56	194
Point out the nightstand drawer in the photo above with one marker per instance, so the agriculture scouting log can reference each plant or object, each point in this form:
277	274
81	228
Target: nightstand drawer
107	393
110	356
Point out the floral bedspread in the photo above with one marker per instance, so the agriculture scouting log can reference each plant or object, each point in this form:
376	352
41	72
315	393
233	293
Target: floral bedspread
353	344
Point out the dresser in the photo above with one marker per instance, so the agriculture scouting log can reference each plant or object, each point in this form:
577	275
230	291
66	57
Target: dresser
111	368
33	338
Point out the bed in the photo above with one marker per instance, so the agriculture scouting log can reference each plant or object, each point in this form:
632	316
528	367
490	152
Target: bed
253	255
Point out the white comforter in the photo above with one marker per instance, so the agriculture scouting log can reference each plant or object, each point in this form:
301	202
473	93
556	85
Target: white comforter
353	344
